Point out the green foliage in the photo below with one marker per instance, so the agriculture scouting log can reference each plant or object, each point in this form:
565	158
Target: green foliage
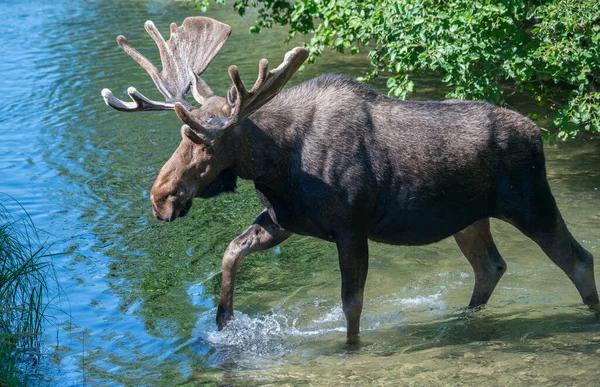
24	279
550	49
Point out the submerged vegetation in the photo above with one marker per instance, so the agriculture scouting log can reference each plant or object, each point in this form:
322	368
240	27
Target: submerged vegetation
548	49
25	276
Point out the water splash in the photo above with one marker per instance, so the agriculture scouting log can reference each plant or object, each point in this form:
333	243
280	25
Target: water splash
248	341
432	301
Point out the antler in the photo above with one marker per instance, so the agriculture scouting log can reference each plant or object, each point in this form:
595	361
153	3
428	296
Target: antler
184	57
267	86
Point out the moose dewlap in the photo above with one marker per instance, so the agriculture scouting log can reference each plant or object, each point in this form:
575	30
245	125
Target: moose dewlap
332	159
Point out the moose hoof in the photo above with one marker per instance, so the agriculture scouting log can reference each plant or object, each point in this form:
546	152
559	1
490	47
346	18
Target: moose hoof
596	310
353	339
223	318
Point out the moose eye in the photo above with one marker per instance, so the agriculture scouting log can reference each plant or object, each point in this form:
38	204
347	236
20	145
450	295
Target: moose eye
220	121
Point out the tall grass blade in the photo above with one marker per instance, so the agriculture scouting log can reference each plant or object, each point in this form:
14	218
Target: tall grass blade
25	276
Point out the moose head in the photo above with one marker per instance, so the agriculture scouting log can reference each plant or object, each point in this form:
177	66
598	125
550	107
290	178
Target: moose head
209	138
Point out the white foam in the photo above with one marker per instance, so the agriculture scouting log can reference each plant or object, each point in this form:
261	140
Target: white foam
334	315
432	300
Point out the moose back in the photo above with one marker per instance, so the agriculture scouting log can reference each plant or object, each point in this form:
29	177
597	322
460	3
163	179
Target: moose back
334	160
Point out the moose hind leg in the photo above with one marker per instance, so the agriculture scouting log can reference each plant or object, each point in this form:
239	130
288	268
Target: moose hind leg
477	245
541	221
574	260
261	235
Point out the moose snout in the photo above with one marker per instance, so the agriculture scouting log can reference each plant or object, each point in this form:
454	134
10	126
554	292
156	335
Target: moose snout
169	208
161	212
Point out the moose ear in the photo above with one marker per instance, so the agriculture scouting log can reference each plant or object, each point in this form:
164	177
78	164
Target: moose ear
192	135
232	96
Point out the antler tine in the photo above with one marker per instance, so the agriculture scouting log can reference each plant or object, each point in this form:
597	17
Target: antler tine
208	131
146	65
175	64
192	135
238	86
197	42
140	102
166	57
267	85
200	90
185	56
263	73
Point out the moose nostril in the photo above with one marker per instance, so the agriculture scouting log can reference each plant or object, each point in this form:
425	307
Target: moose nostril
185	208
158	213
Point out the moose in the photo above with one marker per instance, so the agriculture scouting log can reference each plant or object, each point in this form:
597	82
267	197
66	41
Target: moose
334	160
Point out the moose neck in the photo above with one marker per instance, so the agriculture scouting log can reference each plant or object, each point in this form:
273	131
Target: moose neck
263	148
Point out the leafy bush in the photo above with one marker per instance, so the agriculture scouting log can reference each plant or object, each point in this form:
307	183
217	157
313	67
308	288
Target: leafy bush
550	49
24	280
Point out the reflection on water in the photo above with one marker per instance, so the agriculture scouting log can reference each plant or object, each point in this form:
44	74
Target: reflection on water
139	294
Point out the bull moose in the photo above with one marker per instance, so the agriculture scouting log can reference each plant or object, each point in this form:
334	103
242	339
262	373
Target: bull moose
334	160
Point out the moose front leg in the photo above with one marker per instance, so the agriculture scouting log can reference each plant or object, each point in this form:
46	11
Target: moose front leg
263	234
353	251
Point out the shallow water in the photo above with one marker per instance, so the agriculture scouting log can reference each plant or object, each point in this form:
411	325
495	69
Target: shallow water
138	300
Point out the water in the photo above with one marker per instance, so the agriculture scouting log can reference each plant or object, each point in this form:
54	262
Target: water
138	296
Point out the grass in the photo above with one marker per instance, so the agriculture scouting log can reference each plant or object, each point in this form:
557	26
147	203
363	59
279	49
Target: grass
25	276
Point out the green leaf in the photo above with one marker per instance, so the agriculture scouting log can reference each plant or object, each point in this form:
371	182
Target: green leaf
472	46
